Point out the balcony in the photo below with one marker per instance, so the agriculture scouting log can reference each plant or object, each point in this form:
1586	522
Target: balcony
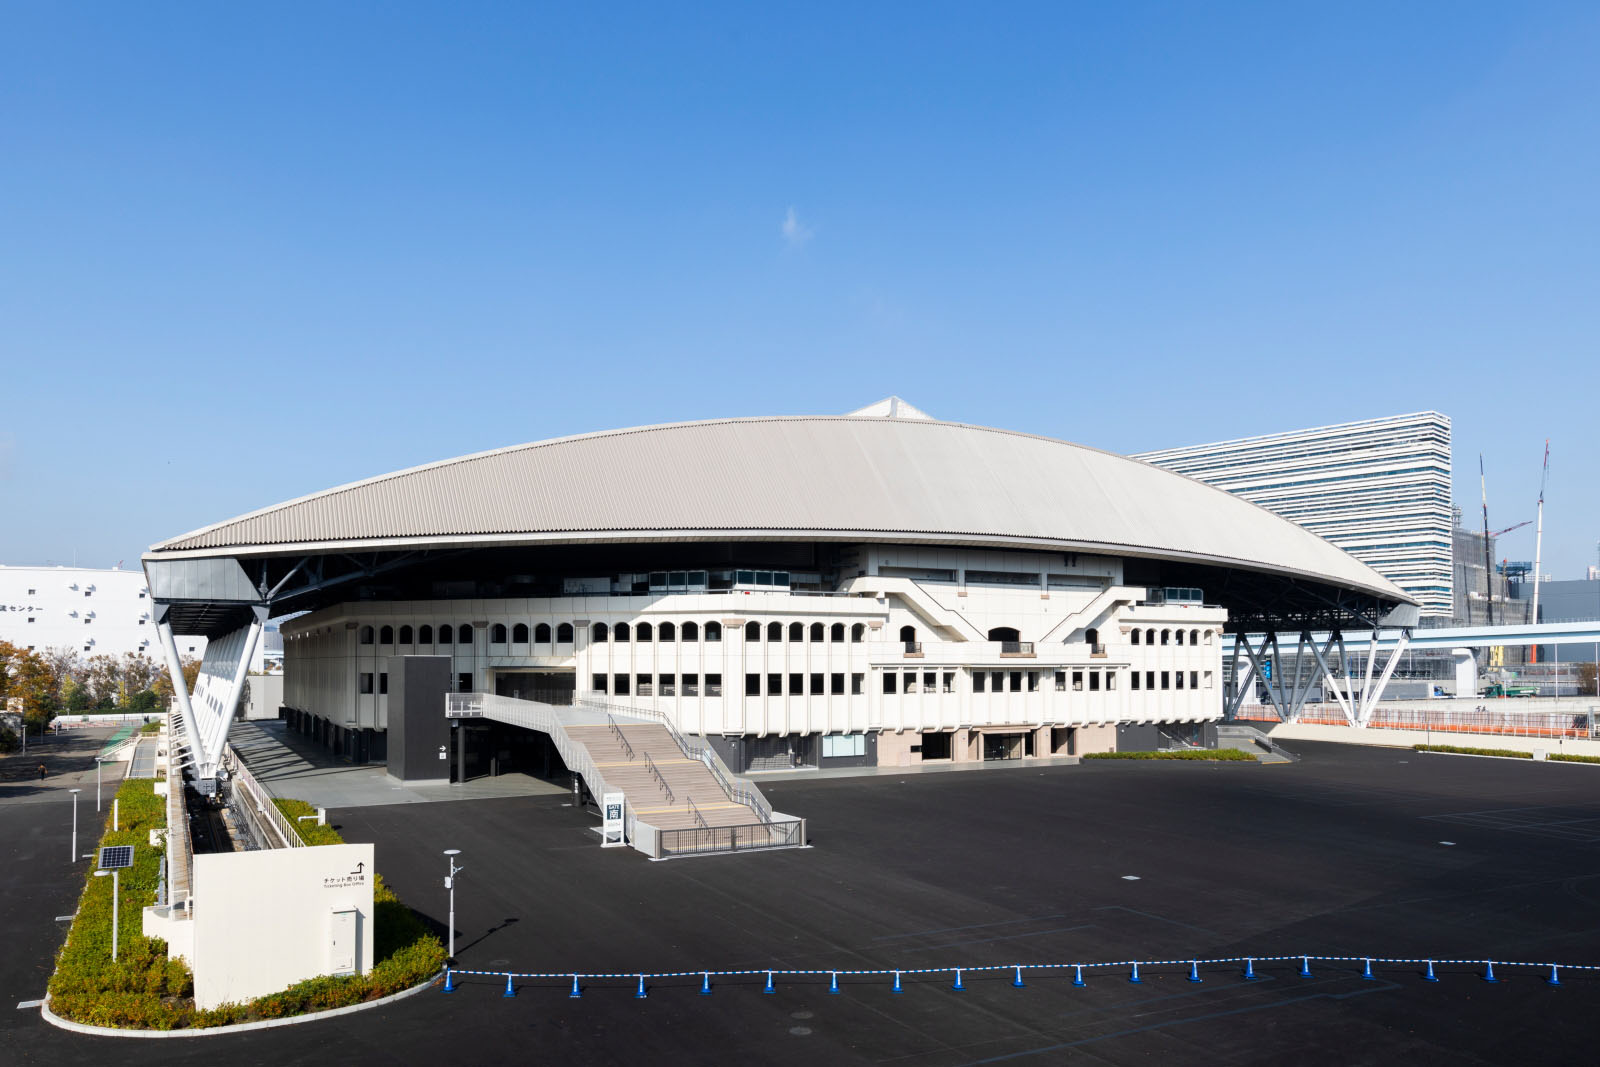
1097	650
913	649
1023	649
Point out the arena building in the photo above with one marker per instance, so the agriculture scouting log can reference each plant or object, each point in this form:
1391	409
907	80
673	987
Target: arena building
878	588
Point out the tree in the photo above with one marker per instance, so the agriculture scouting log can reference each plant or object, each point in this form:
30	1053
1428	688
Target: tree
102	679
139	673
27	675
75	696
163	683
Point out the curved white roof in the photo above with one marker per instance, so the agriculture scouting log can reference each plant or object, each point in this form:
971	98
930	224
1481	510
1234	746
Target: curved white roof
821	477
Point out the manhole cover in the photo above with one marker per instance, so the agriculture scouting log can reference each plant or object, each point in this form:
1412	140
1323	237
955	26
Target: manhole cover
800	1015
800	1031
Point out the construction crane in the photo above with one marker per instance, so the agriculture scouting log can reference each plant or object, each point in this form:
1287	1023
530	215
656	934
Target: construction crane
1508	529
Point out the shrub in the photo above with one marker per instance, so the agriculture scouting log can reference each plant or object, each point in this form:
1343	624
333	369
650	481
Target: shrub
310	832
1226	755
1568	757
1462	751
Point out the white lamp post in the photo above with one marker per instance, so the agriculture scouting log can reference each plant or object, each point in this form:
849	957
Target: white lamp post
98	764
74	857
115	906
450	884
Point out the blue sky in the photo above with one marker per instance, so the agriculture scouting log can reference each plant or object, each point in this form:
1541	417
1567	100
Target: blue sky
251	252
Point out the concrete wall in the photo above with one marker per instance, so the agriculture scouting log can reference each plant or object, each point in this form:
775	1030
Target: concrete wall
266	697
266	920
1285	732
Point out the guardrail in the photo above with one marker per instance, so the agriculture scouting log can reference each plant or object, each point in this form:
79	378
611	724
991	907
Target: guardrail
650	765
745	838
1242	967
616	732
1016	648
260	800
1484	720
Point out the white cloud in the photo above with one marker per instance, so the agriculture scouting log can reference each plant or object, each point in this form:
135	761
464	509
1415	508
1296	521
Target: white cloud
795	232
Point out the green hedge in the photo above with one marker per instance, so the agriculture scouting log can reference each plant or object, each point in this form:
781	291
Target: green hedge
310	832
1461	751
146	990
1226	755
1567	757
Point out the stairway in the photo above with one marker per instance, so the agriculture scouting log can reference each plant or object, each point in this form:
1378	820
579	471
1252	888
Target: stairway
688	786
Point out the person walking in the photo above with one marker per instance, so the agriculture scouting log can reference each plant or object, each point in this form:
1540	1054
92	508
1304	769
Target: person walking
41	772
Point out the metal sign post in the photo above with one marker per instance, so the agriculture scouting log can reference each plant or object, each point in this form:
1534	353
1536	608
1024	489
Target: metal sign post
611	809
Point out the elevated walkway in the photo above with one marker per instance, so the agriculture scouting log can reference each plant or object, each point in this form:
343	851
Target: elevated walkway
679	797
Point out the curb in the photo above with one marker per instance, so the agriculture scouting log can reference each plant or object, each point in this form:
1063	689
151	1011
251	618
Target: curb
236	1028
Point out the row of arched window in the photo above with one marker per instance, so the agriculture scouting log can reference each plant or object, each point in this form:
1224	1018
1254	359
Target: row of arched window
644	631
1174	637
462	635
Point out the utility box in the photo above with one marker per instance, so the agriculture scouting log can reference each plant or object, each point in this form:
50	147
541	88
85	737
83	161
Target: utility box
344	935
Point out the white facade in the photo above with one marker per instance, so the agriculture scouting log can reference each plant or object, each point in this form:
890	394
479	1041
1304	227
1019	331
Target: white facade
91	611
1379	489
917	642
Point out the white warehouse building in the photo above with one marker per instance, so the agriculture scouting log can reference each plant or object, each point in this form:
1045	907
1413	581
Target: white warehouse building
92	611
823	591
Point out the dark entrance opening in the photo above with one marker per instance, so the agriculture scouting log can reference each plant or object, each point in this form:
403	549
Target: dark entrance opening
496	748
1003	746
547	687
935	746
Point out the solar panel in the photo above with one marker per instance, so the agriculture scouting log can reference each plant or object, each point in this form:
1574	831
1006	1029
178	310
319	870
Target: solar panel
116	857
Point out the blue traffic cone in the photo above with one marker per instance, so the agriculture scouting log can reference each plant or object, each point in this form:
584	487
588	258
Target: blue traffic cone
1366	970
1194	971
1305	966
576	992
1488	973
1135	979
511	990
1077	977
896	988
1430	976
958	987
641	994
769	986
449	983
1017	981
705	983
1554	979
833	982
1249	969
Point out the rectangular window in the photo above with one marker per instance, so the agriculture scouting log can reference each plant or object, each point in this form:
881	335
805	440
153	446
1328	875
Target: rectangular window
1033	681
1111	679
930	682
1094	681
909	685
839	746
856	681
1077	681
713	685
949	681
997	681
1061	681
464	683
1178	679
1194	679
383	684
752	685
836	684
1135	677
644	685
666	685
774	685
366	683
598	683
816	685
889	680
691	685
1166	677
622	688
1149	679
1208	679
977	681
797	685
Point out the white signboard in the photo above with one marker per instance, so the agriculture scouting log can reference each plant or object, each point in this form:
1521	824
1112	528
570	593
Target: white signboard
611	809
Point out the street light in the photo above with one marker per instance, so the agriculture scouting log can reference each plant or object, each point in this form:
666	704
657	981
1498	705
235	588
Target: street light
98	764
450	884
115	906
74	856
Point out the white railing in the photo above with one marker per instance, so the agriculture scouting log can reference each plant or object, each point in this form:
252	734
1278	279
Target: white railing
1484	719
260	801
180	849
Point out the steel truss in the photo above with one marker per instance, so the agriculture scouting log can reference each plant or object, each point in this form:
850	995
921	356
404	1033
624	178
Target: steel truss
1288	695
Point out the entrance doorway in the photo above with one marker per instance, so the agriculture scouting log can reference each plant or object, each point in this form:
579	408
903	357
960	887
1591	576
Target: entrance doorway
547	687
1004	746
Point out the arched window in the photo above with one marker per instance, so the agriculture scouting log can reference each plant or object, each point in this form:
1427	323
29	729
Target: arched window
563	634
1165	635
386	636
858	633
1136	637
519	633
621	632
601	633
463	634
797	632
406	636
425	635
645	632
1002	633
365	636
836	633
497	634
691	631
1208	637
1091	636
668	632
816	631
447	636
1194	637
908	633
713	631
1149	637
752	631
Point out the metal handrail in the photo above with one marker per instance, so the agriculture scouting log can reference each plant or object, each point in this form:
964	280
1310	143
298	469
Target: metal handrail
260	797
616	731
695	811
1016	646
661	780
912	647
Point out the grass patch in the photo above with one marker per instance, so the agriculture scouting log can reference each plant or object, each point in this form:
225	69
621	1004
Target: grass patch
1567	757
146	990
1225	755
151	728
1460	750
